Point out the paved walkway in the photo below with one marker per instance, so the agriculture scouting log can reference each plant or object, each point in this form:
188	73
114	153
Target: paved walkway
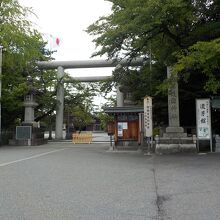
87	182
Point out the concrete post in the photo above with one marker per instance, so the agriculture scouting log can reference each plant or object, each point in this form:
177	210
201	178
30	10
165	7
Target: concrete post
173	102
141	129
0	94
60	104
174	140
120	97
173	107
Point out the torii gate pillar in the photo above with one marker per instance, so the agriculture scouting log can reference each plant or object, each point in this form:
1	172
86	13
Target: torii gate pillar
60	104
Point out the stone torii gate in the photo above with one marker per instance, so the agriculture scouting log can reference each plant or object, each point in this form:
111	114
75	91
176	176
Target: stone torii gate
62	65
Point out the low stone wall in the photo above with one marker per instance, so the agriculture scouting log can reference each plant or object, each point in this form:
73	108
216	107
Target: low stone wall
175	145
32	142
37	138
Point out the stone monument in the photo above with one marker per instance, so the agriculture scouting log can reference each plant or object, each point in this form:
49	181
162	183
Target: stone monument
174	139
29	133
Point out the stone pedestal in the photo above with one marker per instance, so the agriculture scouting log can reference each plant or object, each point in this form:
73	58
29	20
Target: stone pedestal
167	145
174	139
37	138
174	132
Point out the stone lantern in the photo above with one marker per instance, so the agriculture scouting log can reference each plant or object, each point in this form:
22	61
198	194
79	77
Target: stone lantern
29	103
29	134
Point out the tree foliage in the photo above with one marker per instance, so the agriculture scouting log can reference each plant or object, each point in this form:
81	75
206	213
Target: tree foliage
181	32
137	26
203	57
23	46
105	120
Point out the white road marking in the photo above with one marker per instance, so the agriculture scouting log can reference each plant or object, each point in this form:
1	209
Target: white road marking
29	158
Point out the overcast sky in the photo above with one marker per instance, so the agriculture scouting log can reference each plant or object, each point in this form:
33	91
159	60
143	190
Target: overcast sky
68	19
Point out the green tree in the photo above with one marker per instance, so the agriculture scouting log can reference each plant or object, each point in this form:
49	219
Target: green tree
79	104
22	46
167	31
199	68
138	27
202	57
81	117
105	120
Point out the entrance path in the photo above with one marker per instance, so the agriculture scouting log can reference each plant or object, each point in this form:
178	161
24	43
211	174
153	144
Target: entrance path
65	181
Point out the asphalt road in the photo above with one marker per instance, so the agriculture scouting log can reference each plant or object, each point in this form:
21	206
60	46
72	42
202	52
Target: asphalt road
86	182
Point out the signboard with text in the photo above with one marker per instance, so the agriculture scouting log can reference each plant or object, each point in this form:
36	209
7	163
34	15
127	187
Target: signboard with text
148	118
203	117
122	126
23	132
120	129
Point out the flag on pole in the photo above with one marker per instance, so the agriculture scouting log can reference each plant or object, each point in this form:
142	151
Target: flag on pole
58	41
53	42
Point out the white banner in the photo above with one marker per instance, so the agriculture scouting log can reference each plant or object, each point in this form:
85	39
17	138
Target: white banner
120	129
125	125
148	117
203	117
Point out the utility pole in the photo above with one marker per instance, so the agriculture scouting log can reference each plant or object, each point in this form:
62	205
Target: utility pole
1	47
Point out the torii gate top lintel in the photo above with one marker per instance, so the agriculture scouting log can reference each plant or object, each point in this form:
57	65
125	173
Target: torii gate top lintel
89	63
